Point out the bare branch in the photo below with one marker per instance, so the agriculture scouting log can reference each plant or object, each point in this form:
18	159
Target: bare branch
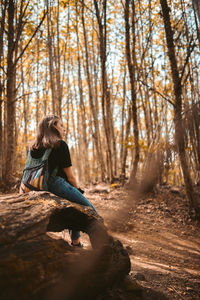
31	38
27	94
157	92
189	51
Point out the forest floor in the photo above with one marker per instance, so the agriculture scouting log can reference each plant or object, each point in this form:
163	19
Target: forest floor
160	237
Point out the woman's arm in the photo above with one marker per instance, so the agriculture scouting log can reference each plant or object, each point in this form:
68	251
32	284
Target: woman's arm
70	176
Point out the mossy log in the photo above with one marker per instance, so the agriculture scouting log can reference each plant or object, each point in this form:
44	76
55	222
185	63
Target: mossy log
33	265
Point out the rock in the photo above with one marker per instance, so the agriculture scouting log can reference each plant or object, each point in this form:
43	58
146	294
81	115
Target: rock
101	188
129	250
175	190
131	284
140	277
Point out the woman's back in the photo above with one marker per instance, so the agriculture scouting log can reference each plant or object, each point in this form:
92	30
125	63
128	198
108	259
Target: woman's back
59	157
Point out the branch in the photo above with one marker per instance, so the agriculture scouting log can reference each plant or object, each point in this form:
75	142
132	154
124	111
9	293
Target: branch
30	39
186	78
190	49
154	90
20	23
193	105
27	94
86	6
196	23
3	70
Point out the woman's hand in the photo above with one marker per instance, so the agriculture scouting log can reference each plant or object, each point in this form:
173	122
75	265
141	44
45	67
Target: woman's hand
80	190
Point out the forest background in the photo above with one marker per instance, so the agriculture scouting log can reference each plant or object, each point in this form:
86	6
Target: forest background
124	77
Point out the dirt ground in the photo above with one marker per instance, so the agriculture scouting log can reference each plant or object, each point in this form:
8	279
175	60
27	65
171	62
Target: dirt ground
162	241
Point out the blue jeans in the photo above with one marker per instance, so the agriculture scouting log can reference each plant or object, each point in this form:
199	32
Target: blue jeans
61	188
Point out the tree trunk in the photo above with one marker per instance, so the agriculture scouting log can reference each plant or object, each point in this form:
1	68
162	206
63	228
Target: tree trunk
122	120
179	129
131	60
37	114
51	68
11	67
35	265
83	136
25	111
196	5
2	142
106	111
58	73
96	135
1	135
125	152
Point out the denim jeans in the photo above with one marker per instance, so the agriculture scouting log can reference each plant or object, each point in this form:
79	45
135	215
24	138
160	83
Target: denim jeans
60	187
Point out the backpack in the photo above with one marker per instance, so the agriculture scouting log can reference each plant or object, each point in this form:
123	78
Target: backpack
36	174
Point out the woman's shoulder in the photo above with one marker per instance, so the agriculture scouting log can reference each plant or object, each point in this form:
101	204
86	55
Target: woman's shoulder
61	144
37	152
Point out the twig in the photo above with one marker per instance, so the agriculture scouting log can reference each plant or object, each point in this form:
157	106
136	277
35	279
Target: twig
27	94
164	97
177	292
188	56
31	38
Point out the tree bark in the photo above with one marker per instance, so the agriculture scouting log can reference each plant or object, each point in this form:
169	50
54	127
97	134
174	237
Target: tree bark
83	136
58	68
122	121
34	265
11	67
51	68
125	152
96	135
196	5
105	102
2	142
24	100
131	60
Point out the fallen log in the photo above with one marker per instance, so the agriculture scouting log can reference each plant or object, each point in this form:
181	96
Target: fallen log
33	265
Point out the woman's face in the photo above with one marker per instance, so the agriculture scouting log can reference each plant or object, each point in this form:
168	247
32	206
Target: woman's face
60	128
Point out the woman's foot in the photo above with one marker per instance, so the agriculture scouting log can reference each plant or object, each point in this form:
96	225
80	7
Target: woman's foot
80	245
77	243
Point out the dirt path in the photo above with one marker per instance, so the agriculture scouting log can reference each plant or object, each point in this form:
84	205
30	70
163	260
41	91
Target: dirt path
163	242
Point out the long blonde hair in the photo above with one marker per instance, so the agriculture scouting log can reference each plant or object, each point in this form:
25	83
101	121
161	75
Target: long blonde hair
47	135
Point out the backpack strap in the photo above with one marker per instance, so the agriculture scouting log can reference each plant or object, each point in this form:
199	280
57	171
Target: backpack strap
43	158
46	154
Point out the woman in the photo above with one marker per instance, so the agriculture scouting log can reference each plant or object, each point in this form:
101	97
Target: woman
64	184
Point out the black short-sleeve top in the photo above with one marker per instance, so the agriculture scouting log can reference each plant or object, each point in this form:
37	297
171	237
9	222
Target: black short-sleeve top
59	157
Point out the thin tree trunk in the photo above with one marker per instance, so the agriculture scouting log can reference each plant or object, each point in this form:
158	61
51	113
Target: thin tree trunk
84	153
96	135
114	149
37	117
125	152
2	142
25	113
105	90
51	68
179	129
122	119
196	5
58	76
10	124
131	60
